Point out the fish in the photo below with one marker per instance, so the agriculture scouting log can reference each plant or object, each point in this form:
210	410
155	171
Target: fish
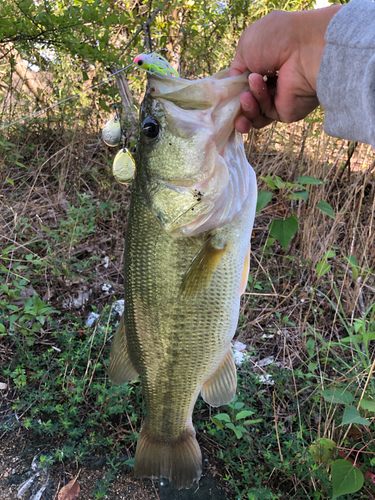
187	255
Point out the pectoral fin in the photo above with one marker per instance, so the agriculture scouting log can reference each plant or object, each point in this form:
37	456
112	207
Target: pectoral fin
203	266
121	368
220	389
245	272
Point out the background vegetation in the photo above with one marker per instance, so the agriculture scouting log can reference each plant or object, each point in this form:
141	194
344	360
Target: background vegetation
301	424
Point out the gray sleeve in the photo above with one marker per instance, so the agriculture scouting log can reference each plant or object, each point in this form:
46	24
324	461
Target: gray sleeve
346	79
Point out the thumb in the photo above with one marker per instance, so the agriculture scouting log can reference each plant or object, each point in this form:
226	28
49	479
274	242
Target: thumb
238	66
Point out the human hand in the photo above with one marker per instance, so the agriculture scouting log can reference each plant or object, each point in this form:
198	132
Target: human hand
288	46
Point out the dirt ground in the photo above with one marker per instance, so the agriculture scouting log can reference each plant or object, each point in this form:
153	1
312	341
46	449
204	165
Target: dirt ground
20	451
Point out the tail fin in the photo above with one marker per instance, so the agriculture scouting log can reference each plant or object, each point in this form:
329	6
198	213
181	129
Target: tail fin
179	460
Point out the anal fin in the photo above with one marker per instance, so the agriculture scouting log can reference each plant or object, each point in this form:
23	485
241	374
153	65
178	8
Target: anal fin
203	266
245	272
220	389
121	368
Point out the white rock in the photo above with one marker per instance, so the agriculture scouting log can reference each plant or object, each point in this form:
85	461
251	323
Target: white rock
266	361
240	353
92	317
23	487
266	379
119	306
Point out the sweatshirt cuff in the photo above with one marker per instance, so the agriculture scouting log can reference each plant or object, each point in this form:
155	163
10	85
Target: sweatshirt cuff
346	79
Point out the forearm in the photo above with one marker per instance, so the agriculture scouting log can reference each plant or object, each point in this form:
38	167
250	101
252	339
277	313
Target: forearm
346	80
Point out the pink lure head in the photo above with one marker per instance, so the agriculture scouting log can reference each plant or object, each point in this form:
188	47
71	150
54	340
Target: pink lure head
139	60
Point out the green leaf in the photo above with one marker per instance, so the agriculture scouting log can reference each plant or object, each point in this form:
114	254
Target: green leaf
104	106
322	268
305	179
2	328
103	205
352	416
339	395
359	324
310	346
130	462
223	416
10	181
279	183
13	308
244	414
368	404
20	164
235	429
312	366
368	336
300	195
270	182
348	340
269	242
353	262
329	254
8	23
345	478
46	229
242	429
284	230
322	450
251	422
217	422
326	209
264	197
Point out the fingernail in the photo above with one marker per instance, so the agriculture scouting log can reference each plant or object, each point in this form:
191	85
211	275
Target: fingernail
245	106
251	83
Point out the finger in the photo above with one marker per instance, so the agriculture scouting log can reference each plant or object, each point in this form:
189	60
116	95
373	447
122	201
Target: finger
294	108
238	66
235	71
242	124
251	110
259	91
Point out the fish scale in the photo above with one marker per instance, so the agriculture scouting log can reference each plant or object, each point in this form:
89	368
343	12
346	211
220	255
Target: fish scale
182	293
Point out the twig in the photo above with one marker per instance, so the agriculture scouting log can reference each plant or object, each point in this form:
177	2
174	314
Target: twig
366	384
274	309
156	491
277	432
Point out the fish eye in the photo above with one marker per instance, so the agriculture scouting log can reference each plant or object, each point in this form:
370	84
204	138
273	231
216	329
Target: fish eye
150	128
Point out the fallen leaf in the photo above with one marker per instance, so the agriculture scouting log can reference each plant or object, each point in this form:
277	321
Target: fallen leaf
70	491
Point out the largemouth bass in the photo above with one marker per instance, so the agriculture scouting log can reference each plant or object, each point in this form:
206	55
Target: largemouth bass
187	252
